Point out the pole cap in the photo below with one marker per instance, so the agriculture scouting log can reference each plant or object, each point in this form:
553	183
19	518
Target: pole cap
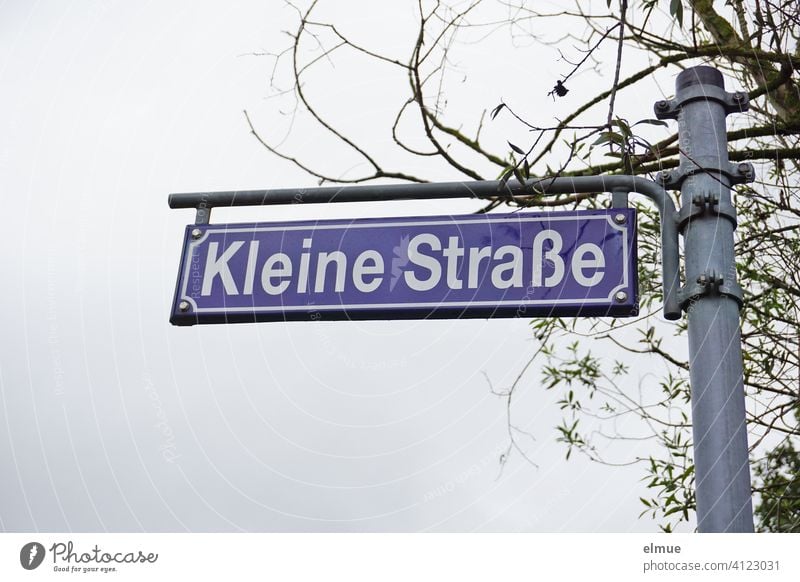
699	76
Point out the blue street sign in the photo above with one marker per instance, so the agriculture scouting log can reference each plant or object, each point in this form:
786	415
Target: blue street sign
579	263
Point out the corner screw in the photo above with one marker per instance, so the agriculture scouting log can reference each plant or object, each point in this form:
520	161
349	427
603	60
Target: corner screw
621	296
662	105
703	279
184	306
197	233
744	168
619	218
738	96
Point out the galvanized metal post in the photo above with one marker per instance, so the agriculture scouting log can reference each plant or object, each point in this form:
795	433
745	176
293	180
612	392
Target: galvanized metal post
711	296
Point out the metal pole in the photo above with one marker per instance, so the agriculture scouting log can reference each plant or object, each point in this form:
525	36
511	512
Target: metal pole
712	297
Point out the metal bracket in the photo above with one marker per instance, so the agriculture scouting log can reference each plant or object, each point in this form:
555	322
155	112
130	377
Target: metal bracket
670	109
619	197
703	204
737	102
203	214
710	283
741	173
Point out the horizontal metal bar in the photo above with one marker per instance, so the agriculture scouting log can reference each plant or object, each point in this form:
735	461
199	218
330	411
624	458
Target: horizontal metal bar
328	194
385	192
478	190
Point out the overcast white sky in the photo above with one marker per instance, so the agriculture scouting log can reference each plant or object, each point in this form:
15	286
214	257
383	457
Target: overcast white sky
112	419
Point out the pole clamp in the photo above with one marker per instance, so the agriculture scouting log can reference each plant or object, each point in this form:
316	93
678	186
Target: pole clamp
702	205
709	283
741	173
737	102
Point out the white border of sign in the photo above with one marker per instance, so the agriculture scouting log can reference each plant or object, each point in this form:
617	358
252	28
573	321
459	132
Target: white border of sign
532	302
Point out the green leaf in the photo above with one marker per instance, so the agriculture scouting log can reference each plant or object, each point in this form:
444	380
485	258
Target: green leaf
651	122
516	149
676	10
623	127
505	176
497	110
608	136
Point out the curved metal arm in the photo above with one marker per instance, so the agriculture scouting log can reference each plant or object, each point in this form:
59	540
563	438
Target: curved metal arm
204	201
666	208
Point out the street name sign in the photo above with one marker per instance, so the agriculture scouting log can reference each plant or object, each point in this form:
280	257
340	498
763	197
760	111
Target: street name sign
525	264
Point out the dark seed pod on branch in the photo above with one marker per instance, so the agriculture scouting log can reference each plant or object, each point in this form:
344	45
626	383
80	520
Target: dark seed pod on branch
559	90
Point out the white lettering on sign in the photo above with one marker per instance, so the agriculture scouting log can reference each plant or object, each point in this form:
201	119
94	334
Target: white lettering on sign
429	261
323	261
361	268
250	274
550	256
424	261
272	275
219	266
579	263
514	265
476	255
302	281
452	253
